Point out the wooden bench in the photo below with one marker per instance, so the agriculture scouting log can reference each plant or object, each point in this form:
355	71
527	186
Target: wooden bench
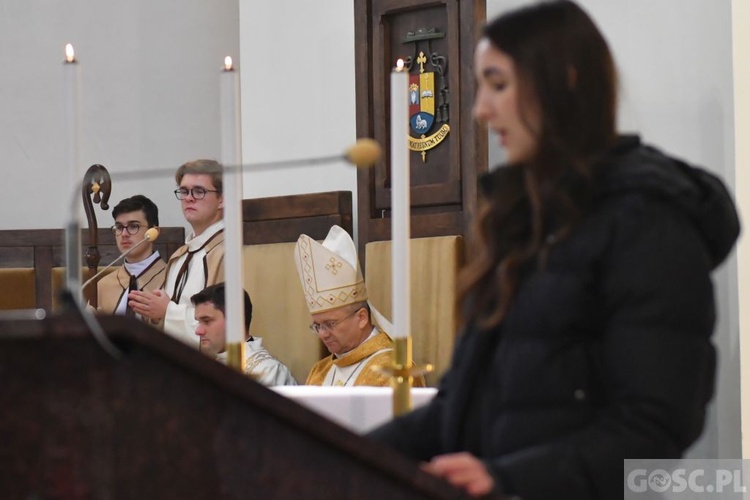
32	263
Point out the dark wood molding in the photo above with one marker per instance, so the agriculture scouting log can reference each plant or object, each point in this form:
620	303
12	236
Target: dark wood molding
280	219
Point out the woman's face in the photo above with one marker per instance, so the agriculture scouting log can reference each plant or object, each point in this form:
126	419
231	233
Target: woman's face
498	103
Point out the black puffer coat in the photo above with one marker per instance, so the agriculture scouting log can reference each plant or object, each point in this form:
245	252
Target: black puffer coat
605	353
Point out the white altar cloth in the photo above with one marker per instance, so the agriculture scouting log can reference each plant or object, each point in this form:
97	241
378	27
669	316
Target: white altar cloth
360	408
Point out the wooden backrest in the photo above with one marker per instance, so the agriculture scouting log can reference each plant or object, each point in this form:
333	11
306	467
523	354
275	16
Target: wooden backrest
435	263
271	227
17	288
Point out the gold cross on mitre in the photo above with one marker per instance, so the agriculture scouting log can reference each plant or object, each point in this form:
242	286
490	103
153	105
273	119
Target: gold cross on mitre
334	265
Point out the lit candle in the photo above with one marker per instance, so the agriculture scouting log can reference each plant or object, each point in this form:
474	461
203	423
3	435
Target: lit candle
71	75
400	205
231	154
72	96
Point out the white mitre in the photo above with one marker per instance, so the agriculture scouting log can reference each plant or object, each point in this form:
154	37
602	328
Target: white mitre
330	274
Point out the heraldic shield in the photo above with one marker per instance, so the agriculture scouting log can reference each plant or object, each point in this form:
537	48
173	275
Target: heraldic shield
421	103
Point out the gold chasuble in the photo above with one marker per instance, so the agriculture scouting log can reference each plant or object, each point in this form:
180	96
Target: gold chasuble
354	367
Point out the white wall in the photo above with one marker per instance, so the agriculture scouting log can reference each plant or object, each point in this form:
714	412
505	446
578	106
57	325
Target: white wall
298	96
149	96
741	36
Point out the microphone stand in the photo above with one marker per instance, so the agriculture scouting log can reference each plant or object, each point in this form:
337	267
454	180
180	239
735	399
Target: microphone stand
73	260
363	154
121	256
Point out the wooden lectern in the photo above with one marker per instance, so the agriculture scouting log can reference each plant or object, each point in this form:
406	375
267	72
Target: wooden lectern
163	421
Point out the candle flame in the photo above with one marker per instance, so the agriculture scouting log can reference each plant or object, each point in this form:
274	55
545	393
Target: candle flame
400	65
227	63
70	54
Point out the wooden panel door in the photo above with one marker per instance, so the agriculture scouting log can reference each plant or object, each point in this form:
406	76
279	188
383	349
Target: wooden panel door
448	147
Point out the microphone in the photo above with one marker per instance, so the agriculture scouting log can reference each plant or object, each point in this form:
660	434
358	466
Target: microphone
364	153
151	234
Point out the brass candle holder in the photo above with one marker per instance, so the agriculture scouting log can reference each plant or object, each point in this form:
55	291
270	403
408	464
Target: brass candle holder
402	372
236	356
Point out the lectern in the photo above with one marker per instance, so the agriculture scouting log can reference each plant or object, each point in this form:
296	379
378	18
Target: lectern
163	421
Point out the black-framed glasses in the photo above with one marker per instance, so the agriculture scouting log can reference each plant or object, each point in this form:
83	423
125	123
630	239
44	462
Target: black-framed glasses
328	326
197	192
131	227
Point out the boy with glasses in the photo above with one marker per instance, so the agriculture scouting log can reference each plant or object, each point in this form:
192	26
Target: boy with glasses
143	268
336	296
199	262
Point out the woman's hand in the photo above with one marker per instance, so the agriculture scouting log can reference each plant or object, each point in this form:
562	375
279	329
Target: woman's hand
463	470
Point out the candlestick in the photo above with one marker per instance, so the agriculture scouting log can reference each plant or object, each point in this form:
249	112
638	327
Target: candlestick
72	97
231	153
400	201
71	81
401	370
400	228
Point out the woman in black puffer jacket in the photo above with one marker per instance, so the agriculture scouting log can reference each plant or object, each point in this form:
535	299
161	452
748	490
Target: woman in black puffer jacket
588	305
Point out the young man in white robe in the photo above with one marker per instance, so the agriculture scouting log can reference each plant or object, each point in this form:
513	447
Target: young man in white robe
210	307
199	262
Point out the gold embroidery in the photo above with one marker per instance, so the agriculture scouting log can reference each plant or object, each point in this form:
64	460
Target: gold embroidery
334	265
339	383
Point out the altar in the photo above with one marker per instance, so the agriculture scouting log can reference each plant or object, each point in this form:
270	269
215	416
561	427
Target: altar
359	409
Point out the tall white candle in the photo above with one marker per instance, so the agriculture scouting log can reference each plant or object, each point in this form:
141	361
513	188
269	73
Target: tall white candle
231	154
400	204
71	83
72	99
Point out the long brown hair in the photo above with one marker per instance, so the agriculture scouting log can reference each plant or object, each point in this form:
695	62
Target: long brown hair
567	73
